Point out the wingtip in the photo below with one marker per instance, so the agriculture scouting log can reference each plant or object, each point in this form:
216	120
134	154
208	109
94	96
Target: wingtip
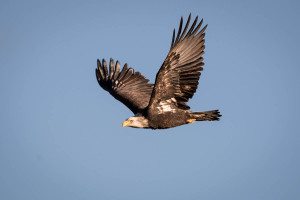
111	62
98	63
103	61
204	28
98	74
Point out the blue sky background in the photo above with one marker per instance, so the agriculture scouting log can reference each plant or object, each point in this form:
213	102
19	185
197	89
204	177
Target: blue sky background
61	135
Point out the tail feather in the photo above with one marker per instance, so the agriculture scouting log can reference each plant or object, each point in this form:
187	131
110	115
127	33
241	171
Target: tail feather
212	115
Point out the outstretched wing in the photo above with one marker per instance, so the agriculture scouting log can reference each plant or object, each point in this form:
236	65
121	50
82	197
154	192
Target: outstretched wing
177	80
127	86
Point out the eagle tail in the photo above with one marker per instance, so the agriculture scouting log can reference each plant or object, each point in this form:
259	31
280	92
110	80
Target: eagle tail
212	115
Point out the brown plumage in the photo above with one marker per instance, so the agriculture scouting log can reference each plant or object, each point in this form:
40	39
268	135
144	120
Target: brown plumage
164	104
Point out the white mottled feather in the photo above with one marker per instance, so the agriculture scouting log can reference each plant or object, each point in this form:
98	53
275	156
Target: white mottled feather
166	106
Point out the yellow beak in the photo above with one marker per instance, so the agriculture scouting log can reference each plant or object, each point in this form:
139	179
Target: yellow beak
126	123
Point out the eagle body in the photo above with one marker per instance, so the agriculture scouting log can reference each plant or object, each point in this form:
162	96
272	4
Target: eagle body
162	121
163	104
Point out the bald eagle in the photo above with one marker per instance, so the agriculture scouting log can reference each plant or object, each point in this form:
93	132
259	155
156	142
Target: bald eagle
164	104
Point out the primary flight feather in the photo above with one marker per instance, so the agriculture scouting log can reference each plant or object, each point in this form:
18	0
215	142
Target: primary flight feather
164	104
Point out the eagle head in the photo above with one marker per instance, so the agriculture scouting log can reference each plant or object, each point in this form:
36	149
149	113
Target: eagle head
136	122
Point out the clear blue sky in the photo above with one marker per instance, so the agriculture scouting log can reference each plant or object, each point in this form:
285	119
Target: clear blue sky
61	135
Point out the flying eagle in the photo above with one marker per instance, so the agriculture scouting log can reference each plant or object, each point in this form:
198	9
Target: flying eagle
164	104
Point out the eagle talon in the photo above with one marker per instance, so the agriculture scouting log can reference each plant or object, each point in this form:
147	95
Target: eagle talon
191	120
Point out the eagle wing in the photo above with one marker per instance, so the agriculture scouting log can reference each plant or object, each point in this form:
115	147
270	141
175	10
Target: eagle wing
177	80
127	86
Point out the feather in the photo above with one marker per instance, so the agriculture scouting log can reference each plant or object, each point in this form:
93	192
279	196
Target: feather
123	72
186	27
111	68
179	31
100	71
104	67
117	70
